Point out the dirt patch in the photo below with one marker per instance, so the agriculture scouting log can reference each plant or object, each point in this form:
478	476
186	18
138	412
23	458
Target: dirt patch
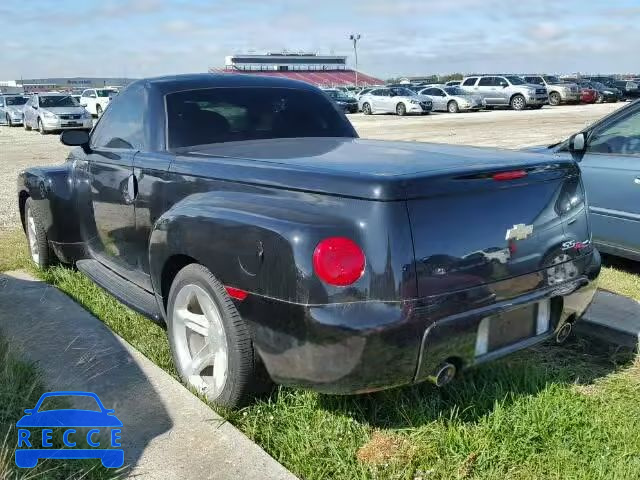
383	448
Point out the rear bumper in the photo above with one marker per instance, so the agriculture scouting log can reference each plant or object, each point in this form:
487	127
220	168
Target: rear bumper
367	346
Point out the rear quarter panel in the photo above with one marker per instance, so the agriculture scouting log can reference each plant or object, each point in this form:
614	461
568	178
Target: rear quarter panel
261	239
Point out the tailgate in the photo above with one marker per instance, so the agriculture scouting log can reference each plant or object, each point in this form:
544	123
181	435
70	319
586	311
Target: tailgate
489	228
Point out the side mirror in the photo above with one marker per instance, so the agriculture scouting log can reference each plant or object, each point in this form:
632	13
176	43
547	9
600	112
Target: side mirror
28	411
504	85
76	138
35	107
578	146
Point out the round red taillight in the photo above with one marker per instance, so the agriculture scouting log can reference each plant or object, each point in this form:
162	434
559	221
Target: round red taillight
338	261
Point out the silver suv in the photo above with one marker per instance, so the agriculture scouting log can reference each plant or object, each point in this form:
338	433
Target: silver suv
559	91
506	91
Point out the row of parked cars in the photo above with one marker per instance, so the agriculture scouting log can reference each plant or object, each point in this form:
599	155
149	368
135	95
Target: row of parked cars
475	92
54	111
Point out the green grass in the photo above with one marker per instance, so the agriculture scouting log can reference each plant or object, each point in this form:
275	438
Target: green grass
569	412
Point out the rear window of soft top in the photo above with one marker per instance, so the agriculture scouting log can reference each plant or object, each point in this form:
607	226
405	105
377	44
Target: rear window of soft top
216	115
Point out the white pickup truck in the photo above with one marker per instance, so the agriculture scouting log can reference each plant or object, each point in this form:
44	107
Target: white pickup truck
95	100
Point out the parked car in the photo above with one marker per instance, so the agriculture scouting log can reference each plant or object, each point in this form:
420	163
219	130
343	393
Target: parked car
603	93
95	100
505	91
50	112
452	99
398	100
346	103
245	212
609	155
588	94
12	109
628	89
558	90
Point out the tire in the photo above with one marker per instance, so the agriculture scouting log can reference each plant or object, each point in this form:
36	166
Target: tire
9	122
98	111
37	242
518	102
24	123
401	110
41	127
453	107
554	99
230	374
366	109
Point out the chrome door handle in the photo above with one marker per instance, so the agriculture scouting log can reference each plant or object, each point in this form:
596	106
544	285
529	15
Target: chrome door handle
131	189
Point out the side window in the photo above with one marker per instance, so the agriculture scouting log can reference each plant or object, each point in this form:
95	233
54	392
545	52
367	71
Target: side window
1	102
500	82
375	93
470	82
85	93
440	92
486	82
621	138
121	125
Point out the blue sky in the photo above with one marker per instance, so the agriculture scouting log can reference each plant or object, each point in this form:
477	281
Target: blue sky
43	38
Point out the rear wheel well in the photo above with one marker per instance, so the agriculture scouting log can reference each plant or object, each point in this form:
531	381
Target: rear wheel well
22	200
171	268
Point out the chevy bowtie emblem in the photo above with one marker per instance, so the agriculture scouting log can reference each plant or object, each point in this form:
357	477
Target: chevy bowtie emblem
519	232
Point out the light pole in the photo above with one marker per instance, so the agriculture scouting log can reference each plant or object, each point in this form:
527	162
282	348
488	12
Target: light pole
354	37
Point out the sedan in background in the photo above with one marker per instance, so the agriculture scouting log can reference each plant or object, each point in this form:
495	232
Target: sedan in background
609	155
12	109
398	100
452	99
344	102
628	90
50	112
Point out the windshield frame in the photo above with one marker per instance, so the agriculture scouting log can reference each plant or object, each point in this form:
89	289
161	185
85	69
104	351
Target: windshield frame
74	103
519	80
459	91
399	91
12	97
552	79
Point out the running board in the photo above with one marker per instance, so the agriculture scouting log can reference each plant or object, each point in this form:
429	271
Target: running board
125	291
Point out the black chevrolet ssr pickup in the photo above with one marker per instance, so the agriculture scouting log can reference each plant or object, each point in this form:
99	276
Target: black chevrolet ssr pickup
246	214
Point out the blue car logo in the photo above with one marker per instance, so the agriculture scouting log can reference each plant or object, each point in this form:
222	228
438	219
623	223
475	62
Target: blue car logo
36	444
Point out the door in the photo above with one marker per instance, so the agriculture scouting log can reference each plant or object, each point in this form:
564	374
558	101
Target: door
108	204
611	173
377	100
88	100
439	99
486	88
434	96
381	101
29	111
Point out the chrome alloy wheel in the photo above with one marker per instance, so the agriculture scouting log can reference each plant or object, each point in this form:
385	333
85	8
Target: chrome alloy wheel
199	339
31	234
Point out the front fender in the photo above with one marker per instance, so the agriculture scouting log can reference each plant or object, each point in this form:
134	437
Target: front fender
263	241
51	190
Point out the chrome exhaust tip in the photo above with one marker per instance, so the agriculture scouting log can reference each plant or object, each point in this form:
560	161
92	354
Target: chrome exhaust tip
444	374
564	333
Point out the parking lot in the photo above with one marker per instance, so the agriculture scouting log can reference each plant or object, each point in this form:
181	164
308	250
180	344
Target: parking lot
498	128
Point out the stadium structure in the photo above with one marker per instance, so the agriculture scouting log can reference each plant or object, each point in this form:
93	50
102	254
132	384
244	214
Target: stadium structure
320	70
